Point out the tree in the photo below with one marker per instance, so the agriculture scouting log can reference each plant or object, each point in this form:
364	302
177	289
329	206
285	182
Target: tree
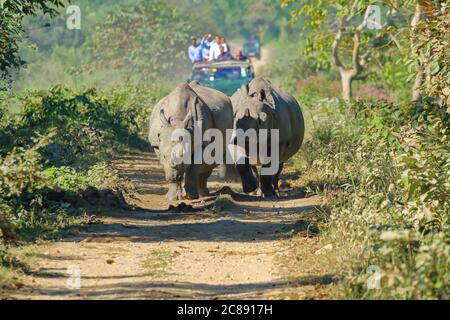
429	34
245	18
341	29
12	14
147	40
350	32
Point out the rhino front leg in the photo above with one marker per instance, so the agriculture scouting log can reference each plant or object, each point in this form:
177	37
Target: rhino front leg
191	182
203	184
267	187
249	180
276	180
175	192
268	184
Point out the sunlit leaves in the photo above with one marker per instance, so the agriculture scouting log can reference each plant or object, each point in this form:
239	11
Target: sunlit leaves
11	15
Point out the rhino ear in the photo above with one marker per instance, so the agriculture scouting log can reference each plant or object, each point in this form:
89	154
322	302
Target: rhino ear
201	112
188	120
261	95
195	112
164	120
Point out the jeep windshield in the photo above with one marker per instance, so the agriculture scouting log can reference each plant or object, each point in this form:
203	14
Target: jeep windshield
225	78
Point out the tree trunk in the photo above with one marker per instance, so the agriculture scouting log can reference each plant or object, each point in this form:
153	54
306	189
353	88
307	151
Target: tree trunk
416	91
347	81
348	75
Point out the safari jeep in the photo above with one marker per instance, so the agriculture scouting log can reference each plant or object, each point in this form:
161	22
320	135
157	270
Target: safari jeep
225	76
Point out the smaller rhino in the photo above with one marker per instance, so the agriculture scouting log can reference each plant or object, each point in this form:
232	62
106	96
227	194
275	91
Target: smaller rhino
259	105
188	104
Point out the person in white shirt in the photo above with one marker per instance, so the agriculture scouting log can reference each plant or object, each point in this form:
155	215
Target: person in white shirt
224	43
206	43
215	49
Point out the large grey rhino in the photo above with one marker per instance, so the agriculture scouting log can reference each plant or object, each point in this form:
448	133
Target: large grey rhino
259	105
188	103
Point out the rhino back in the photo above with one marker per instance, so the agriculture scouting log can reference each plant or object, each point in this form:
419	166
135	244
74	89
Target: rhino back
291	125
219	104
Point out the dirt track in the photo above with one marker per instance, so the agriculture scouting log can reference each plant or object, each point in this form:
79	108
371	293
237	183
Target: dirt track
236	250
231	254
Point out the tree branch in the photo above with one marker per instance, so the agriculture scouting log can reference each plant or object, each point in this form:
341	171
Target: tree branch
335	48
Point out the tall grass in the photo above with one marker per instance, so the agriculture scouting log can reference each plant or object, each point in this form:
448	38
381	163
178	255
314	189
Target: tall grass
56	153
384	170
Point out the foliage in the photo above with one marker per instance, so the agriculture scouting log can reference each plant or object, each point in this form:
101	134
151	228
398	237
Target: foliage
61	142
12	14
431	41
288	66
247	18
100	176
146	40
20	207
391	165
89	126
340	35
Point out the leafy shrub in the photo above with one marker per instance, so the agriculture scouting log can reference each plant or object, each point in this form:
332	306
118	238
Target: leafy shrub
6	260
89	126
69	179
392	166
57	148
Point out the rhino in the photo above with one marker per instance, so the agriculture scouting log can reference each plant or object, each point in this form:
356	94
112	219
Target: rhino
259	105
188	104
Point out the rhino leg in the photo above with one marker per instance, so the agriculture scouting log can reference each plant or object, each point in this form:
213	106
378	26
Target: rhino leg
175	192
228	173
203	184
267	185
191	182
249	180
276	180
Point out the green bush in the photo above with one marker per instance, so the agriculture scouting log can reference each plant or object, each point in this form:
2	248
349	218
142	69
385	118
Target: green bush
69	179
58	147
89	127
391	166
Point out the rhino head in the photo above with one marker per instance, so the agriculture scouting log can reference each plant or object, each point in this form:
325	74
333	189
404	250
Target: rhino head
183	109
